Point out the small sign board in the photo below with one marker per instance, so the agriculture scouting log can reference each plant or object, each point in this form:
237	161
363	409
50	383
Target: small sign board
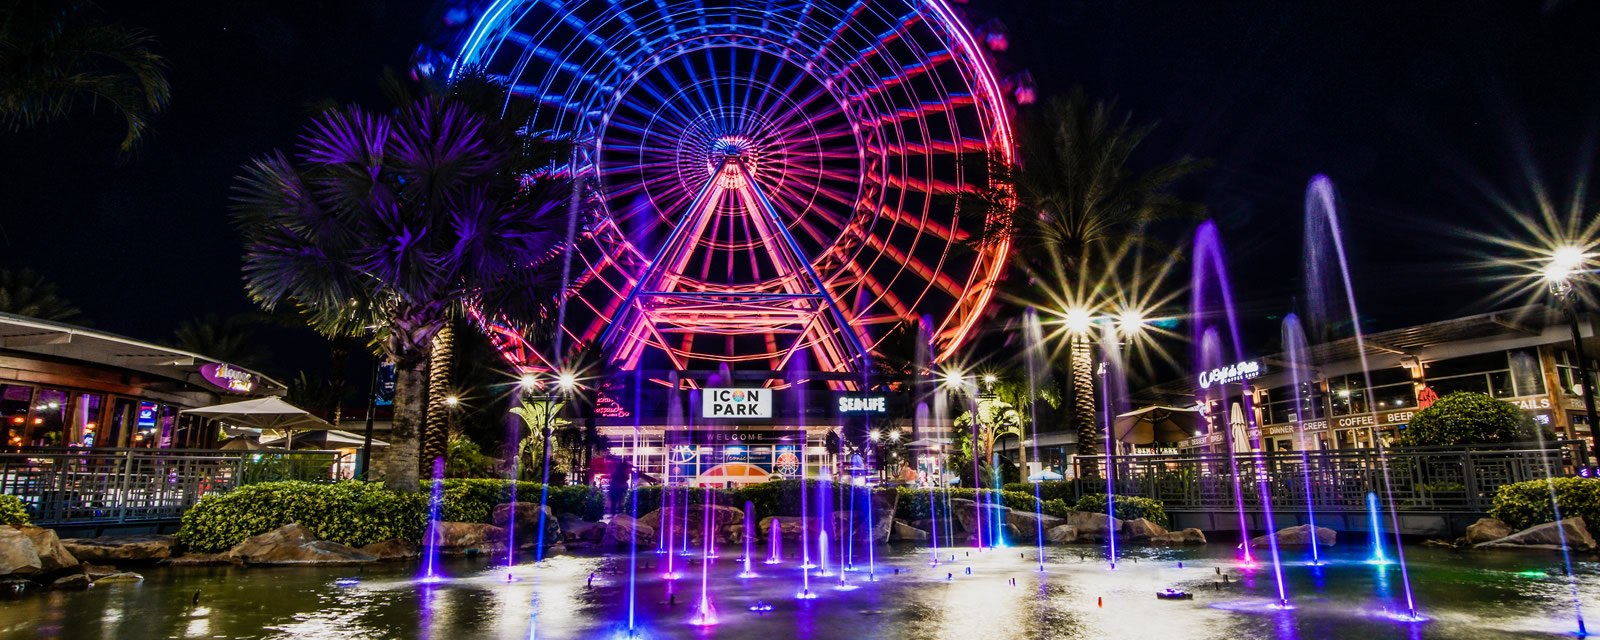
735	403
228	377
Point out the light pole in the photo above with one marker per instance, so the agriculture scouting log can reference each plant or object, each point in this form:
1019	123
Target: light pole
1565	266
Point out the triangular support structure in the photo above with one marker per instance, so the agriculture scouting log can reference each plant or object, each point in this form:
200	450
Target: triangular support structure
663	306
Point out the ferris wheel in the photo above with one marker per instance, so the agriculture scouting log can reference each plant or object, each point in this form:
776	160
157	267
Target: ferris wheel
765	178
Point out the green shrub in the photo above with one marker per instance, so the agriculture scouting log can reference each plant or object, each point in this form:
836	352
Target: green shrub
1125	508
474	499
1525	504
1063	490
13	510
914	503
464	459
1057	508
353	513
1468	418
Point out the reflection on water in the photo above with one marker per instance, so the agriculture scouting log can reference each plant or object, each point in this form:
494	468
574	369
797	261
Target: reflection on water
1461	594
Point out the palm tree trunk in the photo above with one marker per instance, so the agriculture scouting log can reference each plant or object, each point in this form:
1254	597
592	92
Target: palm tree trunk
436	431
1083	407
400	470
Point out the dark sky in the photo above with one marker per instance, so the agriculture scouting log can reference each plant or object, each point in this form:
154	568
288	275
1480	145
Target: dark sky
1414	109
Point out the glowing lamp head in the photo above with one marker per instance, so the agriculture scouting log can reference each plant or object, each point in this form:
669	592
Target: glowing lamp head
528	381
452	400
989	378
1078	321
1130	322
873	435
894	435
567	381
953	378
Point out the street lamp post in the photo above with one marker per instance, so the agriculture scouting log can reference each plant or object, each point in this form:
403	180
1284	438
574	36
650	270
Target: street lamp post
1564	266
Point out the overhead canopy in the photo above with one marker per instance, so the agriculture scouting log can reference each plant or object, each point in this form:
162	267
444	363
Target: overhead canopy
1156	424
262	413
60	340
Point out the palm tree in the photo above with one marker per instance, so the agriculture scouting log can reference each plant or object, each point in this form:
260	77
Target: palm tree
229	340
23	292
1076	210
435	430
54	56
390	224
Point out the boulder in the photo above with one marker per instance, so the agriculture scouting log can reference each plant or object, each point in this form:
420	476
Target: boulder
53	556
790	526
968	512
96	571
17	555
1093	525
585	531
884	504
471	535
902	530
120	549
1298	537
124	577
732	534
71	581
1179	538
626	530
293	544
1140	529
652	519
1487	530
394	549
1061	534
199	560
1549	535
1007	533
721	516
1030	523
527	516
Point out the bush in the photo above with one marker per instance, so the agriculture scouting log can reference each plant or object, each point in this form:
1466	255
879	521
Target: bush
1057	508
1063	490
1525	504
914	503
464	459
1125	507
474	499
353	513
1467	418
13	510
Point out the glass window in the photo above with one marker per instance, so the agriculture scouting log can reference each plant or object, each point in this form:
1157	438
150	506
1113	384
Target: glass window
86	418
15	400
1396	396
1447	386
1526	375
144	427
1349	395
1481	363
1567	373
124	417
48	428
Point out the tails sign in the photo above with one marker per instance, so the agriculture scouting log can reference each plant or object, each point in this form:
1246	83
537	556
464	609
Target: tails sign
736	403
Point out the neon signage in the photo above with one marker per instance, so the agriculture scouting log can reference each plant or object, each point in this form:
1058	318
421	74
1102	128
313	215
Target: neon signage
863	404
1237	372
228	377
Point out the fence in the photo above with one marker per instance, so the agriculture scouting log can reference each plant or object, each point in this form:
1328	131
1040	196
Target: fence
131	486
1436	479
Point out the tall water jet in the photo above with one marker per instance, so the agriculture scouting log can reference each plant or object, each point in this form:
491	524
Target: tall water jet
515	473
775	540
749	538
633	488
921	430
1033	345
704	614
1211	298
1376	525
796	378
822	553
1561	533
1294	346
1112	391
1323	230
433	535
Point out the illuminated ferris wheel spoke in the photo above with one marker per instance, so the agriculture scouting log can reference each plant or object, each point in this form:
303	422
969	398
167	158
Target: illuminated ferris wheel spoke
762	174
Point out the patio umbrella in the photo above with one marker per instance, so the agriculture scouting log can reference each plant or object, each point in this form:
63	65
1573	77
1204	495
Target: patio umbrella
262	413
1044	475
1156	424
328	439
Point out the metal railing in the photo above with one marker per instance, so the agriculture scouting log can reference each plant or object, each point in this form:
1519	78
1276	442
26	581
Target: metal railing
1437	479
64	486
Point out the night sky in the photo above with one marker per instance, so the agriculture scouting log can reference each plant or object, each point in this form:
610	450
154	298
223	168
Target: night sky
1419	111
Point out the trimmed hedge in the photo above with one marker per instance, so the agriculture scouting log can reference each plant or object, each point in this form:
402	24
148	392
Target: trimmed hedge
13	510
1063	490
353	513
1126	507
1525	504
474	499
358	513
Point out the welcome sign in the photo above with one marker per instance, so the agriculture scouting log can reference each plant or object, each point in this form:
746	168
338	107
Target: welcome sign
736	403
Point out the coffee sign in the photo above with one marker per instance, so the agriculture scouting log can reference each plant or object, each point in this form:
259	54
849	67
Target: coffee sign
228	377
736	403
1237	372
